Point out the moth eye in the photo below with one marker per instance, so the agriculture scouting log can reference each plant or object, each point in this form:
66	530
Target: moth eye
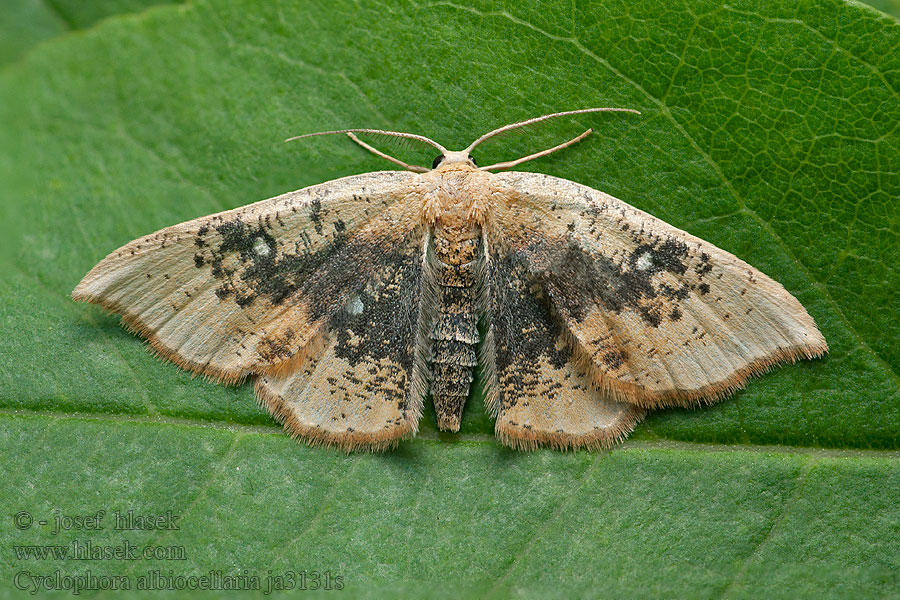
473	160
437	160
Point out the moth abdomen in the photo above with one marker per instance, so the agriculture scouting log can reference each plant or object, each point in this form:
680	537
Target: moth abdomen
455	267
452	352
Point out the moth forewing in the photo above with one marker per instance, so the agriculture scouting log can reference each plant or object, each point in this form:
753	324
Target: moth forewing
240	291
656	316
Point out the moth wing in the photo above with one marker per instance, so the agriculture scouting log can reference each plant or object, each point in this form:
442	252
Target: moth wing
657	316
535	389
365	388
247	290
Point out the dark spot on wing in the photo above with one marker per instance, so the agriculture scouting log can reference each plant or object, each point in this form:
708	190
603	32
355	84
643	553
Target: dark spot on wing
524	327
250	263
316	214
672	293
276	349
703	267
615	358
380	319
667	256
577	281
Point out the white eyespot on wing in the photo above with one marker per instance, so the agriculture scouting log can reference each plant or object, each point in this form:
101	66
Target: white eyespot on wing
644	261
261	247
354	305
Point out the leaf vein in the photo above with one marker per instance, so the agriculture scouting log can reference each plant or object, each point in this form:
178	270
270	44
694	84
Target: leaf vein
541	531
788	505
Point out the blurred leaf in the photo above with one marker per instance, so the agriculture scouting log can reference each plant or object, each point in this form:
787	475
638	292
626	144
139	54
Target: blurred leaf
891	7
24	23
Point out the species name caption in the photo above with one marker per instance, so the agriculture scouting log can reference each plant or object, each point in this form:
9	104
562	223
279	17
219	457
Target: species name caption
82	549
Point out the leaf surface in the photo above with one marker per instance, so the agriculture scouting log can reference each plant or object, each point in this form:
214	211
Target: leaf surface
769	130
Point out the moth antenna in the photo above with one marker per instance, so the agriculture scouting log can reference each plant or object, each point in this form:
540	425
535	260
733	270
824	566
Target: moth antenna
403	143
399	134
376	152
505	128
518	161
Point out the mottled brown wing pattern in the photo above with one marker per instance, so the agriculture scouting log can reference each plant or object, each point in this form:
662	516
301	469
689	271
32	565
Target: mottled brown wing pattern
365	388
536	392
247	290
656	316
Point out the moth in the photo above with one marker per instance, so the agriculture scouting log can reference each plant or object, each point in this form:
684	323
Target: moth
349	302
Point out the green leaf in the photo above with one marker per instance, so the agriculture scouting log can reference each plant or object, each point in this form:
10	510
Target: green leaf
24	23
891	7
770	130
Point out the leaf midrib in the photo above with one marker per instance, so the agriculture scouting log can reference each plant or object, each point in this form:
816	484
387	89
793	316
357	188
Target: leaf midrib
434	437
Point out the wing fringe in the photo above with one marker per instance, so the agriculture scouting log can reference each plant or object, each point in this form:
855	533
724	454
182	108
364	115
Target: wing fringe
316	436
136	326
600	439
623	391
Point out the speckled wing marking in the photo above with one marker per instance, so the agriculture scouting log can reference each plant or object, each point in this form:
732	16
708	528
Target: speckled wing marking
657	316
536	392
365	390
247	290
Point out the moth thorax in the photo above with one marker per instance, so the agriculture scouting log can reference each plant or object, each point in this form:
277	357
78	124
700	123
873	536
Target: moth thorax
458	214
457	254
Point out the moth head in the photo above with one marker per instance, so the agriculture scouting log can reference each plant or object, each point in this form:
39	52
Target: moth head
449	158
464	157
